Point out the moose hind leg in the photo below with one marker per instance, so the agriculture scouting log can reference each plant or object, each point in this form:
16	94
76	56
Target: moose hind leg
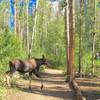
9	75
8	78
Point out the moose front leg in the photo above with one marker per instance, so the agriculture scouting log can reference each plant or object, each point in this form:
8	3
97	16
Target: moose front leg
8	79
30	78
38	75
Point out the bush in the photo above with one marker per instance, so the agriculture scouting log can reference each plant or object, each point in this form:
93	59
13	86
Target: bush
10	48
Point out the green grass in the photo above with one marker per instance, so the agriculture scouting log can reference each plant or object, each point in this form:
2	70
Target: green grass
2	93
3	89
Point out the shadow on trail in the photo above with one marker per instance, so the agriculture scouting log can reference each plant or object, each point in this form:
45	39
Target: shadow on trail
58	90
50	78
55	86
52	75
88	84
51	81
90	93
65	95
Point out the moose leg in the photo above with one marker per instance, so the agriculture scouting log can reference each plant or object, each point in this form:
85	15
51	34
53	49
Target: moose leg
8	78
30	78
9	75
38	75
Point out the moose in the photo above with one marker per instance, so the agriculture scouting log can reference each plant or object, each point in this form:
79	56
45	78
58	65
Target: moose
28	66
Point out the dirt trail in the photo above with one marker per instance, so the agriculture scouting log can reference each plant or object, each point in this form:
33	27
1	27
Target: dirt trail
55	88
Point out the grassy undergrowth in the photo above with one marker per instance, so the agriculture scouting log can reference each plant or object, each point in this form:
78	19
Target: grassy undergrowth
3	89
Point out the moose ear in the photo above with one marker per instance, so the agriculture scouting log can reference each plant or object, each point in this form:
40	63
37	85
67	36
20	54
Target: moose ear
43	56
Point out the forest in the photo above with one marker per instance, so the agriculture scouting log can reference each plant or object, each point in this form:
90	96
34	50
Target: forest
66	32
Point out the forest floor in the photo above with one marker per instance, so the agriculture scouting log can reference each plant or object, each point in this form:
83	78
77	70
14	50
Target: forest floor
55	88
90	87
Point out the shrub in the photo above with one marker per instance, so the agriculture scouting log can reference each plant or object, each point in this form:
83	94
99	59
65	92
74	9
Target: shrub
10	48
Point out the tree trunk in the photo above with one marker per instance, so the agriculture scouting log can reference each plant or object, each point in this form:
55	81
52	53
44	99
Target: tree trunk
33	34
93	38
27	34
80	40
93	52
71	42
15	16
69	36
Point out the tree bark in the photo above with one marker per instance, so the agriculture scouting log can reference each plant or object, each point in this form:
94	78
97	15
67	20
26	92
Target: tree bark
80	40
93	52
69	36
71	42
15	16
27	34
93	38
33	34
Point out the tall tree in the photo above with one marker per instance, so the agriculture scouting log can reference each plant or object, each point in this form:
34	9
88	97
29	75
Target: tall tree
15	15
34	31
71	60
80	40
27	15
70	41
67	36
93	38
